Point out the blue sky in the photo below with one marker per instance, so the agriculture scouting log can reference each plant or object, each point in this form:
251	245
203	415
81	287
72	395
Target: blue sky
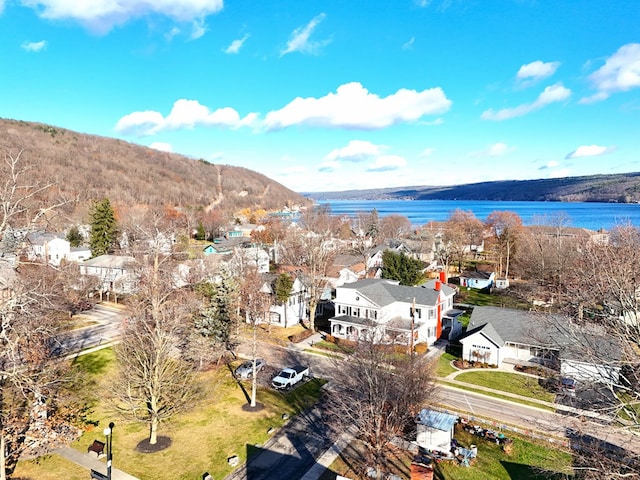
336	95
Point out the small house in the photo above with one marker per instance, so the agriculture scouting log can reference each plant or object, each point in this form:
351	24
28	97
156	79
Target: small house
435	430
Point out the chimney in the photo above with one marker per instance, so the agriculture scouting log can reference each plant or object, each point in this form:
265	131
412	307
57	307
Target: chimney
421	471
443	277
437	286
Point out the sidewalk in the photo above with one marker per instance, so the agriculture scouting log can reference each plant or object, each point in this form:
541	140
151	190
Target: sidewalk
91	463
328	457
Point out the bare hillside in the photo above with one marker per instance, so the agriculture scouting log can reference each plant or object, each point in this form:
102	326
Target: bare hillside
87	167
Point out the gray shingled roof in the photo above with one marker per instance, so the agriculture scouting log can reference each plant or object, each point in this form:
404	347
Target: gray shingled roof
540	329
384	292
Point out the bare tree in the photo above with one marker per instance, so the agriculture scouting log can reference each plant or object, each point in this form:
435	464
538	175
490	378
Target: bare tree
462	231
154	380
506	228
394	226
31	378
380	397
256	304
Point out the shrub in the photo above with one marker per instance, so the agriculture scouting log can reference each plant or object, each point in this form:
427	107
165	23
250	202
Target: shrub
298	337
420	348
330	338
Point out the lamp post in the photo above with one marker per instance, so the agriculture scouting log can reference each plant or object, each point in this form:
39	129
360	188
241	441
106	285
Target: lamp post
108	432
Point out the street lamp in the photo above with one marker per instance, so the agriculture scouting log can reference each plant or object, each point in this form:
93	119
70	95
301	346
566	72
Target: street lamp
108	432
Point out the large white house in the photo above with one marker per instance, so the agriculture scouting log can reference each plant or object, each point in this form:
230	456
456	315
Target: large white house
388	312
53	249
114	272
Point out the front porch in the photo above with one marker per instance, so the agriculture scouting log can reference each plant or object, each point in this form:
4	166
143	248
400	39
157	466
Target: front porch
397	331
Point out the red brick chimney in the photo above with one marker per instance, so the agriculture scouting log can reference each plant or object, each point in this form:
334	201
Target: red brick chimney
437	285
420	471
443	277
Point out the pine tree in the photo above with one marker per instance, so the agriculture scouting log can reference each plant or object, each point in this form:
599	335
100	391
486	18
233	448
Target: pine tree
74	237
103	228
201	234
283	288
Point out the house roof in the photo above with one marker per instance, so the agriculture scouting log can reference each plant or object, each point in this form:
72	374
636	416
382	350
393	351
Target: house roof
502	325
109	261
477	274
438	420
385	292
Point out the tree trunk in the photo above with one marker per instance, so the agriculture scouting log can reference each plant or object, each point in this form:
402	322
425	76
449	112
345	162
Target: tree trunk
153	437
254	380
3	462
312	315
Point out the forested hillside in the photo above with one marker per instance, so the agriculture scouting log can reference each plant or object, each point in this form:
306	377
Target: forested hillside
620	188
83	168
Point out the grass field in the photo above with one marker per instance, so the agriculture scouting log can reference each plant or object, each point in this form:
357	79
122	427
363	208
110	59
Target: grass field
507	382
526	461
202	439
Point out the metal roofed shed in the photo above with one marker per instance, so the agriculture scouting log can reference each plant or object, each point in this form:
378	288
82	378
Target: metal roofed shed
435	430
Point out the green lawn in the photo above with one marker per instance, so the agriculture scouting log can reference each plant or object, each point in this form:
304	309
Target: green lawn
202	439
507	382
495	299
444	367
526	461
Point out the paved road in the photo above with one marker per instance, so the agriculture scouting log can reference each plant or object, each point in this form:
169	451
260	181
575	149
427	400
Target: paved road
104	327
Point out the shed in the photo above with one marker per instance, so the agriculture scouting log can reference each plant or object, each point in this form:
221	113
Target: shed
435	430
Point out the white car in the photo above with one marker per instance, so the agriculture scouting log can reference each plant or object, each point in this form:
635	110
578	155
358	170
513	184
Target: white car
245	370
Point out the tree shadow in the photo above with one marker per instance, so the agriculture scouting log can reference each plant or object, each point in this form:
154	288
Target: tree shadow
240	384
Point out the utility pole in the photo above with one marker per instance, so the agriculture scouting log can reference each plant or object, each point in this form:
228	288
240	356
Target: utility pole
413	323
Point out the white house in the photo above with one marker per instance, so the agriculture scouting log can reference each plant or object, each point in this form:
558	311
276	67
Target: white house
114	273
294	309
496	335
389	312
53	249
252	256
435	430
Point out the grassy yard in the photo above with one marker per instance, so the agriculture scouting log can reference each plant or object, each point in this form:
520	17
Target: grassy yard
201	439
444	367
495	299
527	461
507	382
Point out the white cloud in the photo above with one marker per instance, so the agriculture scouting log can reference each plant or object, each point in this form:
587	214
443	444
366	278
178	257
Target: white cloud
551	94
236	45
34	46
551	164
184	114
102	15
498	149
163	147
537	70
422	3
299	39
590	151
172	33
621	72
407	45
355	151
386	163
427	152
329	166
198	28
353	106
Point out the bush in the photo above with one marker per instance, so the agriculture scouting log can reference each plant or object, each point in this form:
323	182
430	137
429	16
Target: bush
330	339
298	337
420	348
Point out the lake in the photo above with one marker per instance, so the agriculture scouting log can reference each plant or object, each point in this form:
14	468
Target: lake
591	215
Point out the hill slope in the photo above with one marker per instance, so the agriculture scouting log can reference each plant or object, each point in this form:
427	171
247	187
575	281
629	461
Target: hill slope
621	188
87	167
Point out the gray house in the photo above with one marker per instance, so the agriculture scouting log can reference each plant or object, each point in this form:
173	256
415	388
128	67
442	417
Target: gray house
496	335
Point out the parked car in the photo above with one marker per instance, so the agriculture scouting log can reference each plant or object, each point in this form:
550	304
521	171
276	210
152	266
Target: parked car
288	377
568	386
245	370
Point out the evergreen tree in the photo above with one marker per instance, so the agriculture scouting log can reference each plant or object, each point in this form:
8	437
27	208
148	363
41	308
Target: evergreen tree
103	228
397	266
74	237
283	287
201	234
216	321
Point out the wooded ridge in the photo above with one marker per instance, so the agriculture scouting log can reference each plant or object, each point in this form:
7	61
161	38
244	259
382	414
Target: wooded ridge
84	168
618	188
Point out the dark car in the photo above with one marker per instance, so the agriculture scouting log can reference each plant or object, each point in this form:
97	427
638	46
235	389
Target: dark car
245	370
568	386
